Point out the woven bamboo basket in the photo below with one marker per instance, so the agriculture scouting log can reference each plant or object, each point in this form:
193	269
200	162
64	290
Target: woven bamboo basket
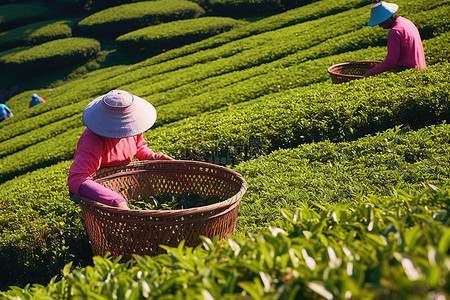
125	232
347	71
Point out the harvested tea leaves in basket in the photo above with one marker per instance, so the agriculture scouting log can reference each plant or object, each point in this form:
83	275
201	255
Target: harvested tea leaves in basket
172	201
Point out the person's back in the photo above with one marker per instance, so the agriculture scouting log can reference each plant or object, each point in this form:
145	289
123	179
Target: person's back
411	49
404	45
5	112
35	100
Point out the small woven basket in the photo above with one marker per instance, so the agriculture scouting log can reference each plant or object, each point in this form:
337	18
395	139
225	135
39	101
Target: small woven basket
347	71
125	232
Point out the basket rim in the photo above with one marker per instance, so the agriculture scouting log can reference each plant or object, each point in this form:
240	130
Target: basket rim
173	212
330	69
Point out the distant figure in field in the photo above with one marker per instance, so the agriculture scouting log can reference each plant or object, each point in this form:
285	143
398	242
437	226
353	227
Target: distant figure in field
114	135
404	45
5	112
35	100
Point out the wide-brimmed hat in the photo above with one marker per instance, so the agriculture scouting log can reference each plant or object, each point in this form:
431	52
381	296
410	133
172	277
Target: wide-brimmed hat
380	12
119	114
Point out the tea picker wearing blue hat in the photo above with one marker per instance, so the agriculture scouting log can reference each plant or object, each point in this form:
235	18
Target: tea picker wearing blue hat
35	100
404	45
5	112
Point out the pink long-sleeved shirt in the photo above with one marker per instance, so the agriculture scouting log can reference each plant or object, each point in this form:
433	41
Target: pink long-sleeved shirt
404	47
94	151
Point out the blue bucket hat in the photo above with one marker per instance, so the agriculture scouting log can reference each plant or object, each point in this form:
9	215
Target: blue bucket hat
380	12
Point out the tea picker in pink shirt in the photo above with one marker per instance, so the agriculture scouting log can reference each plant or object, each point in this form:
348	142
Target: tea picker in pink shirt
404	45
114	135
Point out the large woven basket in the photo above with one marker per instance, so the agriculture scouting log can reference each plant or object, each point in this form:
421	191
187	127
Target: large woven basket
124	232
347	71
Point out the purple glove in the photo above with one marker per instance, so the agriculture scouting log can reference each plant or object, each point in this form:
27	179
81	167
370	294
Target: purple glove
95	191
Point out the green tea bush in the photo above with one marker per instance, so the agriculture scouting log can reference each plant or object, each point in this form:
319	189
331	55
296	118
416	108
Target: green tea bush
36	135
385	247
36	33
177	33
242	7
40	228
315	174
118	20
313	11
89	5
14	15
435	51
337	112
234	94
435	24
323	173
247	85
51	55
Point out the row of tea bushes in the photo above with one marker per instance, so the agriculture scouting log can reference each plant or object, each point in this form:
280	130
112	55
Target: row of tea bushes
245	86
177	33
15	15
323	173
243	7
338	112
50	55
117	77
118	20
37	135
298	15
41	229
307	116
383	247
315	10
237	56
175	138
256	51
41	116
316	174
36	33
99	81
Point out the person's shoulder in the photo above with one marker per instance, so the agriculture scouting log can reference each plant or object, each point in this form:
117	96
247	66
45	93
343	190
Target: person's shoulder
402	22
90	137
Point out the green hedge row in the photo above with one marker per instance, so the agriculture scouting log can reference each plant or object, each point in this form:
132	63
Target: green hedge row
321	174
317	174
310	12
315	10
14	15
118	20
245	89
36	33
282	120
37	135
88	5
238	56
362	247
289	118
101	80
51	55
175	34
351	39
243	7
41	228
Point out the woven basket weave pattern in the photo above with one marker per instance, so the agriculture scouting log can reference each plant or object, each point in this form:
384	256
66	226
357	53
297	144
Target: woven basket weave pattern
350	70
123	232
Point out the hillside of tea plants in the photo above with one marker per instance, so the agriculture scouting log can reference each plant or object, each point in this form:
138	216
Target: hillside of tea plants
348	184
